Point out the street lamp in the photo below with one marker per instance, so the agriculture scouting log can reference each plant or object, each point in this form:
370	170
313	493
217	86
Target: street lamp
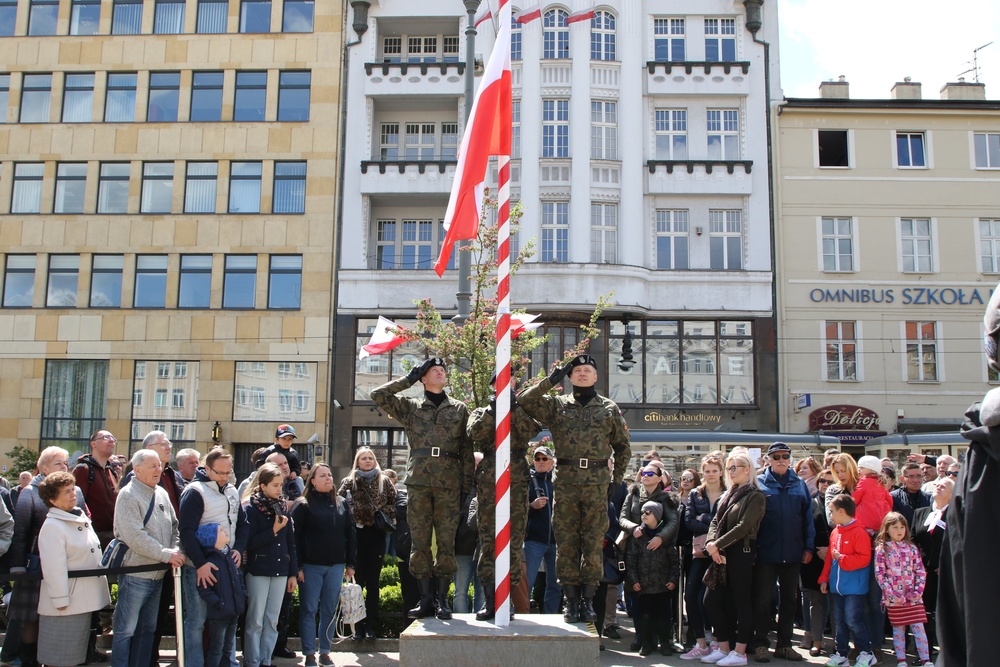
626	362
464	293
216	432
361	8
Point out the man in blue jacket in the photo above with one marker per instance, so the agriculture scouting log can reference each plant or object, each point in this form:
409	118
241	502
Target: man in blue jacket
784	542
539	541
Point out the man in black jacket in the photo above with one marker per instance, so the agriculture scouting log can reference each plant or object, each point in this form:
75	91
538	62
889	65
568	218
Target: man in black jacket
539	541
909	498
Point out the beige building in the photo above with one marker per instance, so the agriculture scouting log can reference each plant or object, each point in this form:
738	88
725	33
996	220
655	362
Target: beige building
167	197
888	248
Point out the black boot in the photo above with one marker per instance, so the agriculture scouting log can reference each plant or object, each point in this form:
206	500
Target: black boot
572	612
665	623
29	654
359	631
489	607
637	640
587	613
444	608
425	607
648	636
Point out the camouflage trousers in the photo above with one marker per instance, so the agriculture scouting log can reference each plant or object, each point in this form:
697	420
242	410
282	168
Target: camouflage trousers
486	495
433	510
579	521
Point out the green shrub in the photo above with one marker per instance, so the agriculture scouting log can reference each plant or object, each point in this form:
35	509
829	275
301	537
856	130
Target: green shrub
390	600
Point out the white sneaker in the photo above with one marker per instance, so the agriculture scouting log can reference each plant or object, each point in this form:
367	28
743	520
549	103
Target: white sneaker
929	663
837	660
902	663
713	657
865	659
734	659
696	653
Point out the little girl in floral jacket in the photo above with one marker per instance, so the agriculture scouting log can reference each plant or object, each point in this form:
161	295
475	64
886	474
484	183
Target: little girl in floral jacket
900	573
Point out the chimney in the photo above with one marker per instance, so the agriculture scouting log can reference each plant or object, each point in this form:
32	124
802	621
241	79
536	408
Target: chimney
835	90
906	90
962	90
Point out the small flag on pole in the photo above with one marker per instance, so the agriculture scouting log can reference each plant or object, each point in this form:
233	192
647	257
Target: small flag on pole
485	15
584	15
382	339
521	323
529	15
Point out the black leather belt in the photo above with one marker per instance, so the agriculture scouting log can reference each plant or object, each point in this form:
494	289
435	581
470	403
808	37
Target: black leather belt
434	452
583	463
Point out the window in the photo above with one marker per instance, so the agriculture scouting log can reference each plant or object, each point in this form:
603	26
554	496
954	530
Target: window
602	36
833	151
515	38
150	281
838	244
421	49
293	96
672	239
4	91
725	240
515	130
27	194
180	369
157	187
251	92
392	49
71	187
449	49
78	98
603	233
177	399
255	16
989	244
85	15
19	281
298	16
270	398
163	369
195	289
126	17
106	281
916	238
74	402
284	370
720	40
200	186
723	134
910	149
42	15
668	40
211	16
168	17
289	194
841	351
244	187
405	244
8	16
36	95
119	105
112	188
302	401
604	130
419	141
671	134
921	352
555	34
164	96
389	141
555	232
987	150
284	290
64	271
449	141
555	128
160	398
206	95
239	287
285	399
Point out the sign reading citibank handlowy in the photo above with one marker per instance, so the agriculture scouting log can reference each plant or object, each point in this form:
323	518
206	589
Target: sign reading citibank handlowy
843	418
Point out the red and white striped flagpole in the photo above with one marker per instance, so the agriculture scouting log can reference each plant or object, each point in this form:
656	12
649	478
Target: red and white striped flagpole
501	543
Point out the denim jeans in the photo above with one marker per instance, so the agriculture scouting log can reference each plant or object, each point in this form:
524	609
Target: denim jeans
320	588
534	554
260	629
851	614
135	620
195	611
465	575
221	640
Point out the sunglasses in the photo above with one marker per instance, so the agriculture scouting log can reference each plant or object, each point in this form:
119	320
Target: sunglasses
541	458
824	481
780	457
650	473
952	473
646	512
687	479
732	469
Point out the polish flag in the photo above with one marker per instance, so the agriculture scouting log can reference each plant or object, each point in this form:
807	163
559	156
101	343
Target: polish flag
487	133
529	15
585	15
482	17
520	323
382	339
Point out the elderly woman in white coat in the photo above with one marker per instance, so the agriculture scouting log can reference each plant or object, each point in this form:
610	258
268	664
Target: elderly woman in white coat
66	542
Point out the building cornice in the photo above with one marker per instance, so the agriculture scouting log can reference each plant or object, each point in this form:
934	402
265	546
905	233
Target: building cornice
813	103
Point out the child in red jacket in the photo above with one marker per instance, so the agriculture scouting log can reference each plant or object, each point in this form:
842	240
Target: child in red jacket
872	500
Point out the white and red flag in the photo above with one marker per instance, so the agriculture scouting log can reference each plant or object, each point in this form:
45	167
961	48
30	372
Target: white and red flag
519	323
529	15
484	15
584	15
382	340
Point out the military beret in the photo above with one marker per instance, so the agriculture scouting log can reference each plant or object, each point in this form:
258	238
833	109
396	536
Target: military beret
583	360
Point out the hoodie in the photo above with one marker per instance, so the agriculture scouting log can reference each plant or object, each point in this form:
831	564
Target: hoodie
873	502
848	575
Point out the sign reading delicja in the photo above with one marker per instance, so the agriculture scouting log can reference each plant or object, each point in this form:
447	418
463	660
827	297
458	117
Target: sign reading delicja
843	417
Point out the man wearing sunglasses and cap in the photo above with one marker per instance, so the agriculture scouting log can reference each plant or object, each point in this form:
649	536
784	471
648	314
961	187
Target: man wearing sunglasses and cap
438	471
587	429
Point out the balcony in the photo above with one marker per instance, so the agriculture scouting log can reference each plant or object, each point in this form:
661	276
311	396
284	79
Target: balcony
407	176
697	78
400	78
705	177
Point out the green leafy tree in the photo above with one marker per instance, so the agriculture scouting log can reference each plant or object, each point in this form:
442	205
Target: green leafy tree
21	458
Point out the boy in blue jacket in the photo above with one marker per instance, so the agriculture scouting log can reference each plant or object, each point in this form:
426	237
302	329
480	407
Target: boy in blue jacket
845	576
226	599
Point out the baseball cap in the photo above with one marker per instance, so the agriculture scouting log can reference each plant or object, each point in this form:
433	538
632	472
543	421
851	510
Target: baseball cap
283	430
778	447
544	450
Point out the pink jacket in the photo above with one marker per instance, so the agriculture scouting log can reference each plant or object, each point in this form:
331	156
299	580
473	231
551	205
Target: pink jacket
900	573
873	502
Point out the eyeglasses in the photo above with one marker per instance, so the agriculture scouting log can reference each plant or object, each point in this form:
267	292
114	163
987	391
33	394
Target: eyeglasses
732	469
780	457
222	473
646	512
952	473
915	475
687	479
106	436
541	458
649	473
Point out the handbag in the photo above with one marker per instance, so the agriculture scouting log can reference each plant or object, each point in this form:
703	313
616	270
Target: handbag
114	554
698	543
383	522
352	603
715	576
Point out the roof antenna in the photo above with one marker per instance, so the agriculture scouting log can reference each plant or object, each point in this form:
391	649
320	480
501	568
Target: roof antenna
975	63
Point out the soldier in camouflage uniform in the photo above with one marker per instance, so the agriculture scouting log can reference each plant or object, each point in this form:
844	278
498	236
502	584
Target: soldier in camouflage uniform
438	471
586	429
482	431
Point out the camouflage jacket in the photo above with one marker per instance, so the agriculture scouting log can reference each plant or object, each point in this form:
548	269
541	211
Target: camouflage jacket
430	426
482	431
596	430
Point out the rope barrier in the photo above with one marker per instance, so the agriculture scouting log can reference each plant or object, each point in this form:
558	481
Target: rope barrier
96	572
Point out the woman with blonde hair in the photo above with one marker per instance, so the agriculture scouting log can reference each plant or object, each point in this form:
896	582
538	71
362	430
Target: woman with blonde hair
369	492
845	469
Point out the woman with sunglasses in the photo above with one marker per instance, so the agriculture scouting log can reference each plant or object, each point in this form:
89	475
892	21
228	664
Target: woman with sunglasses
815	605
732	540
689	480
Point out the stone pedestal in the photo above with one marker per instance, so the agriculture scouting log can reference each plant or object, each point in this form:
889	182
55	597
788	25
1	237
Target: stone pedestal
529	641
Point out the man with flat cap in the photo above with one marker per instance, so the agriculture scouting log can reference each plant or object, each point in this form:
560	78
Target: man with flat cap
587	430
482	431
439	470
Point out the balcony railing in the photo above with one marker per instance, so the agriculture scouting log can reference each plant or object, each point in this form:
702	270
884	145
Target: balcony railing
690	65
424	67
709	165
401	165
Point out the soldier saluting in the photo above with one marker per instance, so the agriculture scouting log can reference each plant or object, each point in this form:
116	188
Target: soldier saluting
438	471
587	429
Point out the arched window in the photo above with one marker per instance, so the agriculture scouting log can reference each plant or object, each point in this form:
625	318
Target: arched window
555	34
602	36
515	37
